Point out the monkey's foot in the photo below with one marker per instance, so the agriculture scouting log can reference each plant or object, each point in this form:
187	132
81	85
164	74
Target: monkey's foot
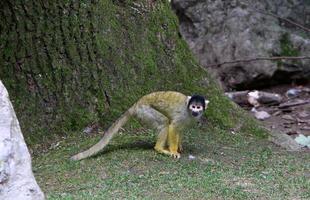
161	150
164	151
175	155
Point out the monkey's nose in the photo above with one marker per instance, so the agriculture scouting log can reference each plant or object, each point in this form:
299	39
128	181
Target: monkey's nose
195	114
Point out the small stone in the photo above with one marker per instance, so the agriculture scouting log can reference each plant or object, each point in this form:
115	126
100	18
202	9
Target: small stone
93	128
294	92
288	117
261	115
303	114
277	113
301	121
303	140
307	128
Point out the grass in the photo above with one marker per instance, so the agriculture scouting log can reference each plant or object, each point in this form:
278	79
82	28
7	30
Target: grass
226	166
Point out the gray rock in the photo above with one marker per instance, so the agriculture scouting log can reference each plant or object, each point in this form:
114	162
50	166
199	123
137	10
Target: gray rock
303	114
293	92
16	178
303	140
288	117
261	115
218	31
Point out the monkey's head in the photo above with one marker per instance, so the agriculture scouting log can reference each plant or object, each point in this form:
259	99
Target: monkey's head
196	105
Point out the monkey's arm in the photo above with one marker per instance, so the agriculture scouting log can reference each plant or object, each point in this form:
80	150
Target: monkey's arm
174	141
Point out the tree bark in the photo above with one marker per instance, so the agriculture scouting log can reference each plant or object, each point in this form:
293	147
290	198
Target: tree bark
66	63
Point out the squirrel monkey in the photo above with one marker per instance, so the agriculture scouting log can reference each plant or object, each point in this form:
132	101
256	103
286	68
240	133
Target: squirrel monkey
167	112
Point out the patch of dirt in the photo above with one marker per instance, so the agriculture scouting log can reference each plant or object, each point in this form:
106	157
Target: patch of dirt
290	119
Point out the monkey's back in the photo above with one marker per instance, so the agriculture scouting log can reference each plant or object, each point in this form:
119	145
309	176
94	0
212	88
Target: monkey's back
172	104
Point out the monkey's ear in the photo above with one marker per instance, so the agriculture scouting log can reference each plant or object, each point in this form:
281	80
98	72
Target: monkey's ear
188	98
206	103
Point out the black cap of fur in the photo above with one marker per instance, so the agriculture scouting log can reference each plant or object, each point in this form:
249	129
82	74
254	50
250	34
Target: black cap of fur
197	98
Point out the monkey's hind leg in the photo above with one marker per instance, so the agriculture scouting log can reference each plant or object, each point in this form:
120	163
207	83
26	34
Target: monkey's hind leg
156	120
161	143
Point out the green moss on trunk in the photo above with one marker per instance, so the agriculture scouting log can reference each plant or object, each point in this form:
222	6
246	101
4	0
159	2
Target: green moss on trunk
69	63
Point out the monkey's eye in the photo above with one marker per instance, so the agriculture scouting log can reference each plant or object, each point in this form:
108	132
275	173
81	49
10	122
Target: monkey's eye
198	107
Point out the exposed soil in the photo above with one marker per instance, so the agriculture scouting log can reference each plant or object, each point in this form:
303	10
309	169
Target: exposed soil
291	120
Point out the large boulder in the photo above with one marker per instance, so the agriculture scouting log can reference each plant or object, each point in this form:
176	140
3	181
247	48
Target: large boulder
218	31
16	178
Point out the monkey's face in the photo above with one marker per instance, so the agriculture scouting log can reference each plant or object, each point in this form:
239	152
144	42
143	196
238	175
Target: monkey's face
196	105
196	109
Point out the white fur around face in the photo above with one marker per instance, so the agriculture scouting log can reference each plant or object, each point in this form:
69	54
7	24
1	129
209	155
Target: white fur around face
188	98
196	108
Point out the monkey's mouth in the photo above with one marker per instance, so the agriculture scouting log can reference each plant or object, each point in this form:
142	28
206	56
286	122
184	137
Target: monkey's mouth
195	114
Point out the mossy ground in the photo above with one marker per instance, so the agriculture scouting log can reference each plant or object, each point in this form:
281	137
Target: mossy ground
226	166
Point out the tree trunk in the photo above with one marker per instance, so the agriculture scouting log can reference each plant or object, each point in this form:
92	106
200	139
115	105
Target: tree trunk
66	63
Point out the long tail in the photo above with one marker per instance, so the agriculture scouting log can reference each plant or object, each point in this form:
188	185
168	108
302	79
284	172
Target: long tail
106	138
